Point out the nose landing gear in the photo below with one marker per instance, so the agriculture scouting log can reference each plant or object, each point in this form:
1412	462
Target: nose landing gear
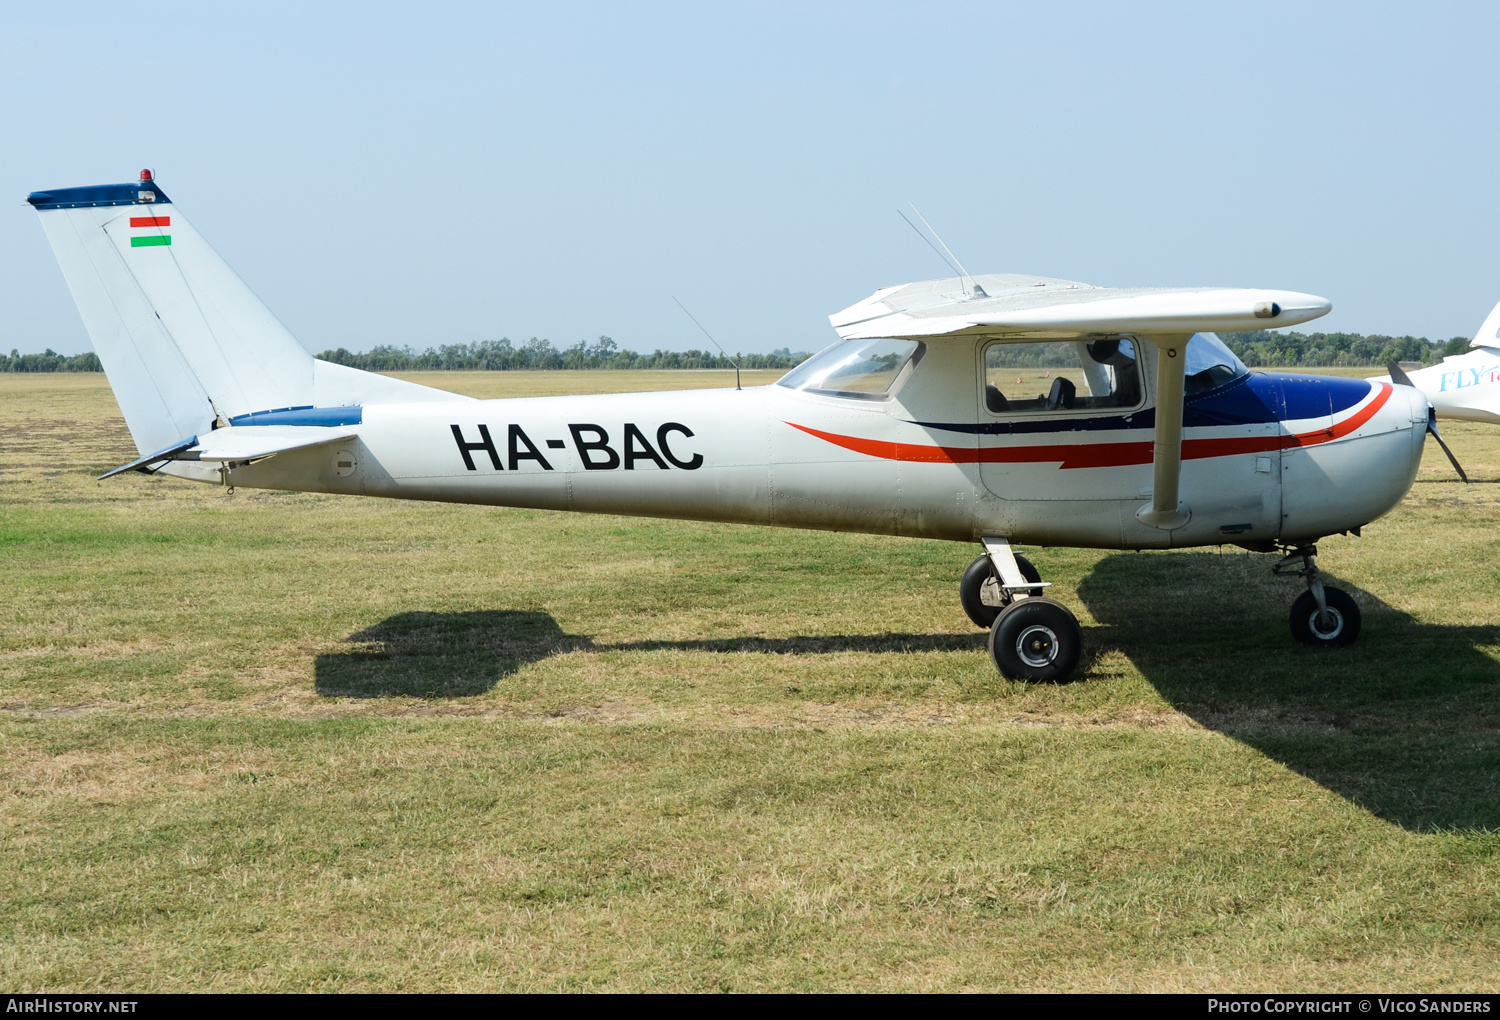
1031	637
1322	617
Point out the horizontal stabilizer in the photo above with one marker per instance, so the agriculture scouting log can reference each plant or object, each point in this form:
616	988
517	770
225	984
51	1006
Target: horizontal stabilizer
260	441
235	445
148	462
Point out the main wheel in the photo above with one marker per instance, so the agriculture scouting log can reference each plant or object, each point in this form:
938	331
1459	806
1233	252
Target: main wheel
969	587
1036	639
1341	627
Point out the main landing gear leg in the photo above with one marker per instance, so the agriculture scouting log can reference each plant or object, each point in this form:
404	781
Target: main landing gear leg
1323	617
983	594
1031	638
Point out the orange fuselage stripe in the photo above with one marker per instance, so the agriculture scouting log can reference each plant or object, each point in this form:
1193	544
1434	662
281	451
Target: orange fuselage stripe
1090	455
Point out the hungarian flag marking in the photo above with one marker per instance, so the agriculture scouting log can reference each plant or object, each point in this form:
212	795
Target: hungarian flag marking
150	240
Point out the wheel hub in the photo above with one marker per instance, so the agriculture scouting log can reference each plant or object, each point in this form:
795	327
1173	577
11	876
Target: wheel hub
1037	646
1329	627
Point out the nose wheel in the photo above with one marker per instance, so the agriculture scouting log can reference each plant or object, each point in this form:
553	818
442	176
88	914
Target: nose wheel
1322	617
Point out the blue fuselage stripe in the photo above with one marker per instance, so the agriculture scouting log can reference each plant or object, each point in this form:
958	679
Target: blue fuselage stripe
1259	398
325	416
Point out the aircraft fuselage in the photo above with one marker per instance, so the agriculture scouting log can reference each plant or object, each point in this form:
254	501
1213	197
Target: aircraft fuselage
1269	458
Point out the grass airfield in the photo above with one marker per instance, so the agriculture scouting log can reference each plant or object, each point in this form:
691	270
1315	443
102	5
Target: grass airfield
272	741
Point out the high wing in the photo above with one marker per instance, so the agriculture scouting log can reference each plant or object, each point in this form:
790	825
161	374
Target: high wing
237	445
1038	308
1024	308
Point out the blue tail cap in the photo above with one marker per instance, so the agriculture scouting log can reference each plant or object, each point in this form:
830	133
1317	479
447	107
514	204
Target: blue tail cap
97	195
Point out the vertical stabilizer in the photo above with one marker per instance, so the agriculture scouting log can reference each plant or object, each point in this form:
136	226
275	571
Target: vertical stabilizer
1489	332
181	337
184	342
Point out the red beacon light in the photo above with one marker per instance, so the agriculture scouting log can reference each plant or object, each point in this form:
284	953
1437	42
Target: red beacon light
145	176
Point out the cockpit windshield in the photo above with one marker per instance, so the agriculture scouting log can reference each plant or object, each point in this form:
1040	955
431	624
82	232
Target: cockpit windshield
863	369
1210	364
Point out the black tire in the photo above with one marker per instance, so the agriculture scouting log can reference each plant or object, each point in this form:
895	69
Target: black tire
1036	639
981	570
1345	625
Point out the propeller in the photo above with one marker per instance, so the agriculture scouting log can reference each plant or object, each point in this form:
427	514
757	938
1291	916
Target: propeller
1400	378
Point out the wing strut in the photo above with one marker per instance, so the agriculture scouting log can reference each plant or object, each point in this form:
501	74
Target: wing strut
1165	510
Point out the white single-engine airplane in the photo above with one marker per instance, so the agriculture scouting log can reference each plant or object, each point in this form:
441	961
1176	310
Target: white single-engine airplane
1152	433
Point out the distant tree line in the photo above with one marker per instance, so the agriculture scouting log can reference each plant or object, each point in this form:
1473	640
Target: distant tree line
488	355
1264	348
50	361
1260	348
503	356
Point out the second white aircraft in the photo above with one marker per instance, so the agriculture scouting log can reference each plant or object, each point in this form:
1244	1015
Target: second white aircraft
1466	387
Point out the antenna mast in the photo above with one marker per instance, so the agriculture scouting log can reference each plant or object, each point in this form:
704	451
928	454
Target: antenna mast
715	342
978	291
928	242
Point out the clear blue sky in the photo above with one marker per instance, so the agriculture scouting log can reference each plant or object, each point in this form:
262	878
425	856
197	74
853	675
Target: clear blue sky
431	173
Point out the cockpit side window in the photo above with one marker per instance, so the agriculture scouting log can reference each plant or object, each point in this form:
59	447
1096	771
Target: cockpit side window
1051	377
861	369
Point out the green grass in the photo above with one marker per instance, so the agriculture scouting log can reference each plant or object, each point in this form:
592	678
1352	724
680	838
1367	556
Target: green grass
280	741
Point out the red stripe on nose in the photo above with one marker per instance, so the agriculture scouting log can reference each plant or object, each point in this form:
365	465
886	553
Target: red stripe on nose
150	221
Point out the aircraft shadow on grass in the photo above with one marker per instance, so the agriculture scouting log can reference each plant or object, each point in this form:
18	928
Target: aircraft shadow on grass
454	655
441	655
1405	723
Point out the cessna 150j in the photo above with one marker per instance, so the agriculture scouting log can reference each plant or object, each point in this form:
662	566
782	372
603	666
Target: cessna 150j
1152	433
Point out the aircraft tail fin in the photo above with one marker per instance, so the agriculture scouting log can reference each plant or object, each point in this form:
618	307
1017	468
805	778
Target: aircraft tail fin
1489	332
187	346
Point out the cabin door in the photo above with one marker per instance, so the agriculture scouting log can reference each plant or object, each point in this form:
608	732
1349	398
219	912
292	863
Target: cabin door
1064	420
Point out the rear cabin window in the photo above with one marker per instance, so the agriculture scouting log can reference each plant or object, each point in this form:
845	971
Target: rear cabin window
1060	376
862	369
